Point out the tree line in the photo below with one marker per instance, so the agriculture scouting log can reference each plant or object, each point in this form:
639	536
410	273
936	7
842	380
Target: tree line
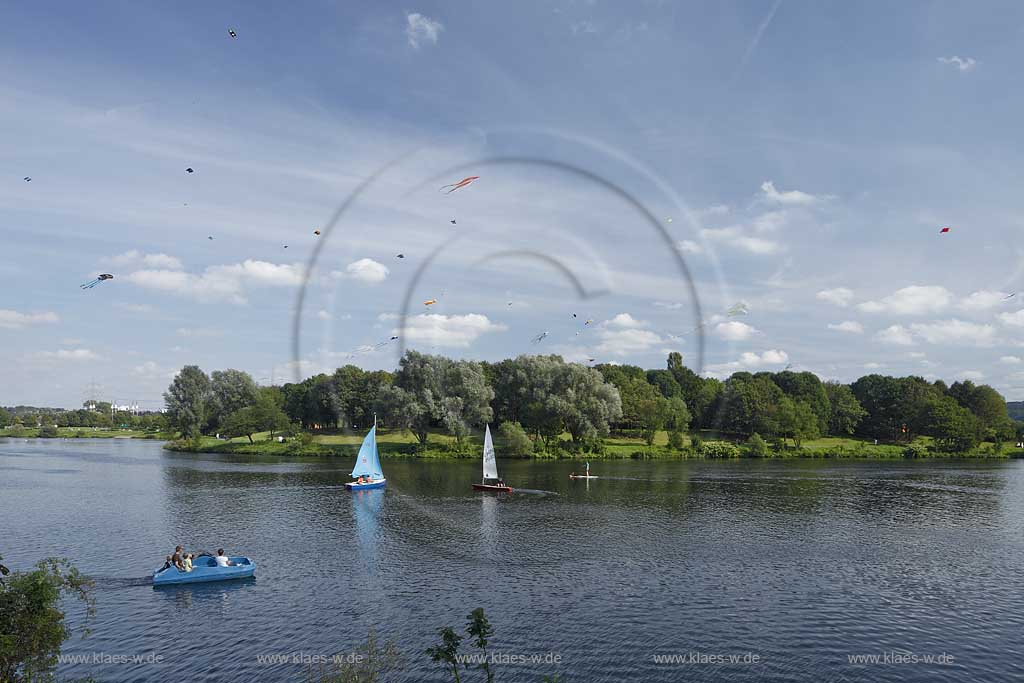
537	399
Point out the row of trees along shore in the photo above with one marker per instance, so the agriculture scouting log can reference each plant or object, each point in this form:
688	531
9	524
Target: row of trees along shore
538	399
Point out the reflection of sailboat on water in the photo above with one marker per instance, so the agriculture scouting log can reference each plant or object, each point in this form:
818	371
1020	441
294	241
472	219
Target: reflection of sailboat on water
490	481
366	510
367	472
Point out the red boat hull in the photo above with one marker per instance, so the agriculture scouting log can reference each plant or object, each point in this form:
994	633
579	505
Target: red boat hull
489	487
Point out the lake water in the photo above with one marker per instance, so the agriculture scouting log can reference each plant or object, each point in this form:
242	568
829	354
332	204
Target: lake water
799	563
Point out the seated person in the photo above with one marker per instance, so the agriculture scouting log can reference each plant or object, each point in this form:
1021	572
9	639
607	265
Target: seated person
176	558
222	560
167	563
187	562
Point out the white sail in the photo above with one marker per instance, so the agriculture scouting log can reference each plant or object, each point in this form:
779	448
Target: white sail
490	466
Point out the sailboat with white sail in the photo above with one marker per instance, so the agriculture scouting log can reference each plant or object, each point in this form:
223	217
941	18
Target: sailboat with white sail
367	472
490	480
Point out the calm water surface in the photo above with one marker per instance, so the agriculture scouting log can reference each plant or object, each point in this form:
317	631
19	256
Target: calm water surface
801	563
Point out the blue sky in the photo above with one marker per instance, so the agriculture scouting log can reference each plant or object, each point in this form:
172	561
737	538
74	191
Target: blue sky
800	157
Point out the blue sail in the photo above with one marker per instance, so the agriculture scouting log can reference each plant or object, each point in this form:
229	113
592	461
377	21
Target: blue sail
367	462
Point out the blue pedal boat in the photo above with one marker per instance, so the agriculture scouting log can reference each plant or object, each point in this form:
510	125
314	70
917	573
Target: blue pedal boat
205	569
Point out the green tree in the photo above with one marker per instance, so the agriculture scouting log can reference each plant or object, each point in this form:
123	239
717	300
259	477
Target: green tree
32	624
447	653
797	421
399	408
48	431
515	438
188	399
5	418
480	630
242	422
584	402
232	390
845	411
750	404
756	447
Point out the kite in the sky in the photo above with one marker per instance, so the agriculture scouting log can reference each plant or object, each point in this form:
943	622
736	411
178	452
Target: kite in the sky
231	32
100	278
462	183
29	180
316	232
430	302
189	170
210	238
540	337
400	256
286	246
668	219
943	230
1009	296
453	221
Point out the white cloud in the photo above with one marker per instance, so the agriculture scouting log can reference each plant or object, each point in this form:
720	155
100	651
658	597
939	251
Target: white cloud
220	283
1013	319
770	221
896	334
13	320
151	370
973	375
365	270
748	360
136	257
840	296
733	236
916	354
68	354
162	261
913	300
668	305
583	27
873	366
961	63
956	332
793	197
420	29
735	330
850	326
715	210
138	308
198	332
323	315
1010	360
457	331
982	300
689	247
623	342
625	320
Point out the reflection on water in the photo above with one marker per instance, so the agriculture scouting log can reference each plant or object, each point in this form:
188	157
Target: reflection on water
800	562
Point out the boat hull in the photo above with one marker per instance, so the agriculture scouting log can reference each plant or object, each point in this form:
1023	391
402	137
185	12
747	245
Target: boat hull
355	486
205	569
580	476
491	487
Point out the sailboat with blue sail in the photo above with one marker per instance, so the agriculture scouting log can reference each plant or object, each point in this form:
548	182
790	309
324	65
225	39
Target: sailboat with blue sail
367	473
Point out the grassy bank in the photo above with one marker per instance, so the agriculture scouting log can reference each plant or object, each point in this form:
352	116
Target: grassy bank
82	433
440	445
